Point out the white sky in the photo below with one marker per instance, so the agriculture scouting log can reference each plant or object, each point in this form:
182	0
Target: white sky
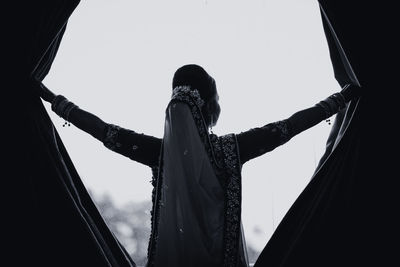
269	58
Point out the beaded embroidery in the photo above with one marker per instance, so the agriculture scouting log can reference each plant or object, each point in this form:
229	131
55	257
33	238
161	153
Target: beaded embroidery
284	130
184	91
110	139
233	199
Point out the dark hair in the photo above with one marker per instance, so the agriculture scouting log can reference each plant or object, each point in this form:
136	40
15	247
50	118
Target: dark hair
196	77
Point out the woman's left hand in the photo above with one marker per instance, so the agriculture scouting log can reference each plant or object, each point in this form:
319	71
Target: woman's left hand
351	92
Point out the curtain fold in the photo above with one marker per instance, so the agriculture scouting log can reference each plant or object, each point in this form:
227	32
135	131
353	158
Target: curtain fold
51	219
346	216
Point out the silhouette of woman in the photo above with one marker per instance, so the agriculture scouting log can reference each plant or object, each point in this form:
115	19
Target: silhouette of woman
196	215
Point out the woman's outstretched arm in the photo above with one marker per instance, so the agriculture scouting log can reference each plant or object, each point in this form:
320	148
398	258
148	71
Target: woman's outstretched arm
139	147
257	141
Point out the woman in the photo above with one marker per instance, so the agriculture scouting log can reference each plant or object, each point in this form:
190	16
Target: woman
196	216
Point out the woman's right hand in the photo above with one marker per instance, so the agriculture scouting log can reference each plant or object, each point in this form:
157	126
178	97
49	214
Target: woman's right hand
45	93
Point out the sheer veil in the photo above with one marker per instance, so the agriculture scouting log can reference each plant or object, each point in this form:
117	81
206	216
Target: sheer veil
189	218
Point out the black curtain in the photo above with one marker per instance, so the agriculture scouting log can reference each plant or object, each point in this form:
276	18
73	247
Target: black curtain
347	214
50	219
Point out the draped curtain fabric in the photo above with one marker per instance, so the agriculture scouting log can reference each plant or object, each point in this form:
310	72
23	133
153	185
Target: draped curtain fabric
346	216
51	219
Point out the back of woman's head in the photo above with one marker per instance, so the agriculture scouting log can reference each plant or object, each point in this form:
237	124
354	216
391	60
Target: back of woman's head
197	78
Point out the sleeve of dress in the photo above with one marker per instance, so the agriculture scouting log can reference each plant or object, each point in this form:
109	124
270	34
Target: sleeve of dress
138	147
256	142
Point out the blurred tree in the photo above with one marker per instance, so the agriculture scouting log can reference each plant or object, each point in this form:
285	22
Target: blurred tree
131	224
252	253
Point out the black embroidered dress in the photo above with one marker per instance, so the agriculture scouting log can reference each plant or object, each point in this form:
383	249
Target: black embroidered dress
207	231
